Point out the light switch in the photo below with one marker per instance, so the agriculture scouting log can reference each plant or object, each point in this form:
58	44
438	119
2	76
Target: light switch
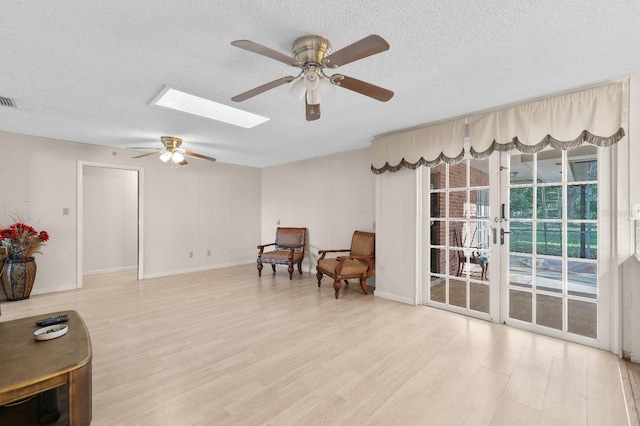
635	212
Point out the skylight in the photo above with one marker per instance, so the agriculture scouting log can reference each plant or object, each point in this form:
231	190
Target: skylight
191	104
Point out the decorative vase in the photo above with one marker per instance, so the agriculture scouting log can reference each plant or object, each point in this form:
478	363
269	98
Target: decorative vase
17	278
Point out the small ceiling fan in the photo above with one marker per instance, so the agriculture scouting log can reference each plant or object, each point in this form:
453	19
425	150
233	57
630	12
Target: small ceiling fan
173	152
312	54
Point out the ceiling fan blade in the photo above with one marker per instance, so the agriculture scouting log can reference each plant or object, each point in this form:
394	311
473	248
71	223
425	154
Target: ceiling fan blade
195	154
265	51
183	163
260	89
312	111
360	49
147	154
362	87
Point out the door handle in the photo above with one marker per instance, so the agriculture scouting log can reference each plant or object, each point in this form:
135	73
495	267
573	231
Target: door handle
502	232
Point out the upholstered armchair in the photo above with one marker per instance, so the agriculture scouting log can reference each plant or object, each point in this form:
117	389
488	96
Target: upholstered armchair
358	262
288	249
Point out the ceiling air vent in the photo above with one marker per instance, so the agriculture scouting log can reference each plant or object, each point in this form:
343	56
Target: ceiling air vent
7	102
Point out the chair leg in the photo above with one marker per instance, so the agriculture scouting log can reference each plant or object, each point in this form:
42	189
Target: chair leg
337	286
273	267
290	269
319	277
300	267
363	284
260	266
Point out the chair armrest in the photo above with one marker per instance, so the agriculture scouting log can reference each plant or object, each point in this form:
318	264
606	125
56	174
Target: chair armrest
261	247
291	251
332	251
323	253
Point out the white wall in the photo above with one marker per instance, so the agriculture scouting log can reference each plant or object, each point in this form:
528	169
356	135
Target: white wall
110	220
331	196
629	183
199	207
397	238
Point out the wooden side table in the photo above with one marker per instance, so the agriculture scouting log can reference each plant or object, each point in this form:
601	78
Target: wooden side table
28	366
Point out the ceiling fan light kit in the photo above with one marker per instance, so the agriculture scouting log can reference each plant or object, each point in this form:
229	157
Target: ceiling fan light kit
312	54
173	152
298	89
177	158
326	88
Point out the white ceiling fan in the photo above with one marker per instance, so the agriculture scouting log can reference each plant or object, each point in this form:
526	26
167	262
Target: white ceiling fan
173	152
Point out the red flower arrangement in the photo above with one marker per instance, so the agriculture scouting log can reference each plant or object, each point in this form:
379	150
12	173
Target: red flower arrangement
20	241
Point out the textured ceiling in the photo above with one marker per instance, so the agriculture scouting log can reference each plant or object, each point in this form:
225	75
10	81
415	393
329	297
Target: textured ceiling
87	71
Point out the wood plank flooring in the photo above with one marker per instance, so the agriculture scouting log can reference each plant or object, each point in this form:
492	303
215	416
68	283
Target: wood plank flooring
631	384
224	347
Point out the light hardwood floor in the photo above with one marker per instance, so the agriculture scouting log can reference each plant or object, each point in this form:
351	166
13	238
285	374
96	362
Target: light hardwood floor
226	347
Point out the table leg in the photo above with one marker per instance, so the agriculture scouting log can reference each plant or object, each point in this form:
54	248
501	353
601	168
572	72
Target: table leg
80	394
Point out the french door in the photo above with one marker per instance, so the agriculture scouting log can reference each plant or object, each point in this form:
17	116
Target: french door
459	232
554	246
518	238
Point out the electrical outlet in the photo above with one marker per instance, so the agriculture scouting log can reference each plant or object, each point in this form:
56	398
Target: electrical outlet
208	252
190	254
65	211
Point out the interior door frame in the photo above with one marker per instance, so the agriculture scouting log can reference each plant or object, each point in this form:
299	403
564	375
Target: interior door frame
80	215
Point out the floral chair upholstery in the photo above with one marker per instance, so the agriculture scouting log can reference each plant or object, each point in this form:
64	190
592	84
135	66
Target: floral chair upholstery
288	249
358	262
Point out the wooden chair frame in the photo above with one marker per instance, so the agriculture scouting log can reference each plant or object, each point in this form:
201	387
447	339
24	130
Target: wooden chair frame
353	265
288	250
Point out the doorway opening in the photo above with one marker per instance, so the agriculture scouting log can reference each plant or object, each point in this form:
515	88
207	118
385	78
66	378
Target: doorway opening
109	222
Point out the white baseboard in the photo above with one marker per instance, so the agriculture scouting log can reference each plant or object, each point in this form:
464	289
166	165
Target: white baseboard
48	290
198	269
394	297
110	270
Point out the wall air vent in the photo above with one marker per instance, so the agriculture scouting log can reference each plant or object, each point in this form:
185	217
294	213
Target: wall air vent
7	102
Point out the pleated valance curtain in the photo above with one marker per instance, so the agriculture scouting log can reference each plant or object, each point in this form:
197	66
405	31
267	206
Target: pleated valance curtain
426	146
564	122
